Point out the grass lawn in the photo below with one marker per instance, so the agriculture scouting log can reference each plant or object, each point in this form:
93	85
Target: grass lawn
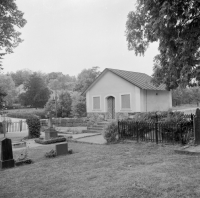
185	106
118	170
27	110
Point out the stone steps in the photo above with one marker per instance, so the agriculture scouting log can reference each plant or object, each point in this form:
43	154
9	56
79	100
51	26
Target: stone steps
96	128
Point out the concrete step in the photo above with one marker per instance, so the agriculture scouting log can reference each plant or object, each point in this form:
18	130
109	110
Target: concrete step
111	120
102	124
97	127
92	131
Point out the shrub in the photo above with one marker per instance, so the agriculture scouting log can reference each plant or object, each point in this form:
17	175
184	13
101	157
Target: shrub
33	126
51	153
111	132
26	113
50	141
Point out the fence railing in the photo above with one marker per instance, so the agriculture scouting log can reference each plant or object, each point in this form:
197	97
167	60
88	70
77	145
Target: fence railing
16	126
159	132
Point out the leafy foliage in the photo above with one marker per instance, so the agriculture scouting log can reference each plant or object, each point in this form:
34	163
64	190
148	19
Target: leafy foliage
186	95
50	154
2	95
50	141
63	105
34	126
20	76
78	105
175	24
8	86
162	116
64	102
11	18
24	114
111	132
86	78
37	93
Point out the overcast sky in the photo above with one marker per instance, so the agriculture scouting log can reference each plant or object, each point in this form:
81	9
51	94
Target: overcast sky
70	35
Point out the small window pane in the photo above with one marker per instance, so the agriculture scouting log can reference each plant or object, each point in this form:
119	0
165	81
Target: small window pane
96	102
126	101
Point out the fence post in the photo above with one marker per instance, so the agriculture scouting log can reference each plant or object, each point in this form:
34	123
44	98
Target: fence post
119	130
20	125
156	131
137	131
197	127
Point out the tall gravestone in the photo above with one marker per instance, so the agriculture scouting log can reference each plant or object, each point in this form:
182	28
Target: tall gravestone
7	160
197	127
50	132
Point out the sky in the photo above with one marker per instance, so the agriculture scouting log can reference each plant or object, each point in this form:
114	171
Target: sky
71	35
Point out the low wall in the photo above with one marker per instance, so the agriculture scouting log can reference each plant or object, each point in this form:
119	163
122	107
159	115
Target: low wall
65	122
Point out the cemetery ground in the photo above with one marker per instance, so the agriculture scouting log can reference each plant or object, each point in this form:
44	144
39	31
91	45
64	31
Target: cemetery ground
126	169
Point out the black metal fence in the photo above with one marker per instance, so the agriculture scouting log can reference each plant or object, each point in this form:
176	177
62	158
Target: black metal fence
157	131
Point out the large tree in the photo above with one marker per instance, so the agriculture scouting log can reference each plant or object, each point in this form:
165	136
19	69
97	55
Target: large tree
10	19
175	25
20	76
7	86
37	92
78	105
86	78
2	95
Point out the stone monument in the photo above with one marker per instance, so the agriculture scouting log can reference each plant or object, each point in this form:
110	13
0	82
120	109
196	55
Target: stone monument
7	160
50	132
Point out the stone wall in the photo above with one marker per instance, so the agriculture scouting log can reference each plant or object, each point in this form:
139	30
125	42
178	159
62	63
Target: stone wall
121	115
98	117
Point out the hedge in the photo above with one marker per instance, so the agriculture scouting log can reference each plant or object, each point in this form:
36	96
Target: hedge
26	114
51	141
33	126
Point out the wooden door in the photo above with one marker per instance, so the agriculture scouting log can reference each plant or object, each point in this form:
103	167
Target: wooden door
111	107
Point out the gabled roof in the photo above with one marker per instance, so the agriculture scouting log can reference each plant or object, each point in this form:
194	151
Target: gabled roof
140	80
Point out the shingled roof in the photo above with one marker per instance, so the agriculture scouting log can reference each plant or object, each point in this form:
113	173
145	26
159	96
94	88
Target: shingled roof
140	80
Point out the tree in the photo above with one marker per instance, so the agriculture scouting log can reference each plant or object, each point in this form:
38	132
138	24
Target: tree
182	96
196	94
64	104
10	19
2	95
78	105
175	24
37	93
7	85
20	76
58	81
86	78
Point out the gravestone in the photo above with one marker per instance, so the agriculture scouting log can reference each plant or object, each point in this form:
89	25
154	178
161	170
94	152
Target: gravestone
7	160
197	127
50	132
62	149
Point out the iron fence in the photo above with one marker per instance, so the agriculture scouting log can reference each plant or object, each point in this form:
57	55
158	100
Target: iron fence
158	131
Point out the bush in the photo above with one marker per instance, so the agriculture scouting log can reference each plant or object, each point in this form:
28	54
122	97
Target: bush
111	132
50	141
26	113
33	126
50	154
163	116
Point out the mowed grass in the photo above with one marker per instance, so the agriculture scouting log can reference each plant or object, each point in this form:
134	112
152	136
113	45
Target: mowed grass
185	106
118	170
